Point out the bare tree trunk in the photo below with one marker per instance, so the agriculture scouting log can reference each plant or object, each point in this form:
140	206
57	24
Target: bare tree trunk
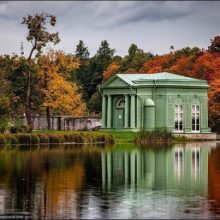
28	101
48	118
28	94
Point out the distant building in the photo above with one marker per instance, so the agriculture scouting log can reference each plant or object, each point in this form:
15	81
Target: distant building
147	101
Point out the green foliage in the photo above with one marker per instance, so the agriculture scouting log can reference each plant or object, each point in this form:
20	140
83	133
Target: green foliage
82	51
95	103
20	127
215	45
3	140
135	58
122	136
23	138
4	114
187	51
18	86
11	139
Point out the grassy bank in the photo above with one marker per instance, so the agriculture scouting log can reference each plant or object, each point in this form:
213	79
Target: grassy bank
50	137
158	135
122	136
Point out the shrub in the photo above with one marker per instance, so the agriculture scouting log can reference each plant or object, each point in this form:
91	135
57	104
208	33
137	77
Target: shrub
44	139
70	137
4	124
56	138
23	138
158	135
20	128
11	139
35	139
2	139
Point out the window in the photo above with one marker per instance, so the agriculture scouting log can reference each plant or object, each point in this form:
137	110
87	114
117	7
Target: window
195	163
121	103
178	163
178	117
195	118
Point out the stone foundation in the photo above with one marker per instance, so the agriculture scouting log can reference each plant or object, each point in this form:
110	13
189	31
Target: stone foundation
198	136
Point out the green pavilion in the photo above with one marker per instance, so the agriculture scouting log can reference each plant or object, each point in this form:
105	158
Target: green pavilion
134	102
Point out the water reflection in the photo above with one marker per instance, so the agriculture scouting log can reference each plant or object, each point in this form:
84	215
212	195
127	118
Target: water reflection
180	181
177	167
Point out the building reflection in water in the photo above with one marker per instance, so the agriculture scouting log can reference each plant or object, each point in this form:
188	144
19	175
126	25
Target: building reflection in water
178	167
66	183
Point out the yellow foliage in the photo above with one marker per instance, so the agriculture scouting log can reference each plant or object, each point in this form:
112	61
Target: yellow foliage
60	95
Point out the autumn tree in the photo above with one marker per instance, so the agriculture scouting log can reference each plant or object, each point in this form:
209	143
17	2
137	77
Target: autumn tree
60	96
111	70
214	105
39	38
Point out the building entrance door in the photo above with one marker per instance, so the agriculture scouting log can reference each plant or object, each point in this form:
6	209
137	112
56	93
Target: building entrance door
119	118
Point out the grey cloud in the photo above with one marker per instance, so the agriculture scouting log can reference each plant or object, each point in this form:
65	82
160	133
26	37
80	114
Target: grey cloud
130	12
120	22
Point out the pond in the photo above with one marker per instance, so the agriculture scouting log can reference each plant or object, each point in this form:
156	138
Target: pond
124	181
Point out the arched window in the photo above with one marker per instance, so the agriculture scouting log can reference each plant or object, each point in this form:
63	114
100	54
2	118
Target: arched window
120	102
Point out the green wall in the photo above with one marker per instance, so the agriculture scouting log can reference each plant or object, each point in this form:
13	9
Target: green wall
164	95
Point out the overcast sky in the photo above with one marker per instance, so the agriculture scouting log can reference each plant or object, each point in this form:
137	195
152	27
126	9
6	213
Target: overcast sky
153	26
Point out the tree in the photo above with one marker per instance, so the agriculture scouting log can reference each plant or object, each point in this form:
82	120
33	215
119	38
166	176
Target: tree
5	66
59	95
39	38
135	58
215	45
94	102
102	59
81	51
172	48
214	105
17	76
112	69
82	75
98	63
4	113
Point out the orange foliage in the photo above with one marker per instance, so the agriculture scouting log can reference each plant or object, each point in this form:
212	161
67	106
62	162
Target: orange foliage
60	188
207	67
157	64
111	70
183	65
214	104
130	71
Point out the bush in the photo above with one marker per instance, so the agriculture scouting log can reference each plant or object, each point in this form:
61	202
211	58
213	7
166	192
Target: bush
11	139
35	139
23	138
4	124
56	138
44	139
158	135
20	128
3	140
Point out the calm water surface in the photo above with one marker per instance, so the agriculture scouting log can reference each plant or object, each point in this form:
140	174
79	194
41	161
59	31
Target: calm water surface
123	181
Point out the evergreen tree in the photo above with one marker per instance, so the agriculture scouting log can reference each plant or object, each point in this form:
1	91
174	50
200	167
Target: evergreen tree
135	58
